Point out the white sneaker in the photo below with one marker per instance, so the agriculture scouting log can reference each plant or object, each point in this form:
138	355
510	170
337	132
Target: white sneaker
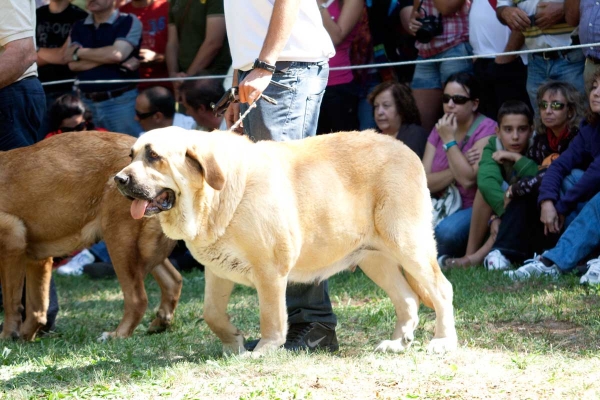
592	276
75	265
495	260
533	267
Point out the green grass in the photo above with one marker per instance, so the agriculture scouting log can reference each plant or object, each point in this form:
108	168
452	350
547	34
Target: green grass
536	339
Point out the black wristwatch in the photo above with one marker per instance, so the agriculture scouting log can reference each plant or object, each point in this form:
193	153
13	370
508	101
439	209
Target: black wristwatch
75	56
264	65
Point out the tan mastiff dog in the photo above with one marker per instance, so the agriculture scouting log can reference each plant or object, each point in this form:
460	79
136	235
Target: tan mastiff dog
58	196
265	214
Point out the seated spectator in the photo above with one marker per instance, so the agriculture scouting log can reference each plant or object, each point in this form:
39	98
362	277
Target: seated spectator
197	95
447	37
452	156
68	114
396	115
521	235
503	162
339	107
155	108
584	153
154	16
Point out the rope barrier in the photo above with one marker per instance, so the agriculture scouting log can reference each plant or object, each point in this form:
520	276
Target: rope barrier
351	67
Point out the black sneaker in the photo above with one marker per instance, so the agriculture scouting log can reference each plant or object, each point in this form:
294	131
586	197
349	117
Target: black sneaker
311	336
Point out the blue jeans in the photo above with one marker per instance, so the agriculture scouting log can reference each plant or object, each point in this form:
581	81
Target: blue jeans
452	233
22	110
580	238
100	251
298	90
116	115
433	75
567	68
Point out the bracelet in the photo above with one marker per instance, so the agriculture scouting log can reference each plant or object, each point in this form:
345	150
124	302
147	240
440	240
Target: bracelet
492	219
447	146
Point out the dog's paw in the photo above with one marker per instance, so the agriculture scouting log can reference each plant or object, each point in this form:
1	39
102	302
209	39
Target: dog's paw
442	345
393	346
105	337
234	349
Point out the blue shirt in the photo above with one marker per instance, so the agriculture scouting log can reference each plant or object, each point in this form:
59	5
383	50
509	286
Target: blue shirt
589	26
119	26
583	153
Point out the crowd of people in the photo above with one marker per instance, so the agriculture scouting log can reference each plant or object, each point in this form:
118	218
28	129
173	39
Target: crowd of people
509	143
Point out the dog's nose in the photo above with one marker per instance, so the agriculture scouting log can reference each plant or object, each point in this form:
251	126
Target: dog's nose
121	179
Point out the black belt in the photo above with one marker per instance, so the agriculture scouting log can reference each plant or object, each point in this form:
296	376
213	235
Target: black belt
552	55
594	60
109	94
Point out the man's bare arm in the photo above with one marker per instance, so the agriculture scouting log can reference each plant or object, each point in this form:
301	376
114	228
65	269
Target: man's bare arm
213	42
83	65
572	12
115	54
52	56
17	57
285	13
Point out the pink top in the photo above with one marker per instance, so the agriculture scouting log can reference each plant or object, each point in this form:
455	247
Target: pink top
342	52
486	128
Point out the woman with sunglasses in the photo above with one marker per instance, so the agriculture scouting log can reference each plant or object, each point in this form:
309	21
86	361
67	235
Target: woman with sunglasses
452	155
68	114
561	108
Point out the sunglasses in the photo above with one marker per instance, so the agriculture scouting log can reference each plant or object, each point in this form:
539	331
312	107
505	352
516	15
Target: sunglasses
77	128
145	115
555	105
457	99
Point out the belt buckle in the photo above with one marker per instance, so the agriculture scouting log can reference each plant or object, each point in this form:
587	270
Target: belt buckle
545	57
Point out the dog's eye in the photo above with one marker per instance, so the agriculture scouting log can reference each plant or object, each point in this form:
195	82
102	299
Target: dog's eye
131	154
153	155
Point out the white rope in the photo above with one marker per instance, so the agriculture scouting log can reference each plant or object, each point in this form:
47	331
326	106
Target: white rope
351	67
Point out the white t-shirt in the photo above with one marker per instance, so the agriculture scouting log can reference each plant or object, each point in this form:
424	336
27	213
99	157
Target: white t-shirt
247	23
486	34
17	21
184	121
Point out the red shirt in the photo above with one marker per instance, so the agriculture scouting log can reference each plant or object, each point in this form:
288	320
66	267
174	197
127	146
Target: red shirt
154	19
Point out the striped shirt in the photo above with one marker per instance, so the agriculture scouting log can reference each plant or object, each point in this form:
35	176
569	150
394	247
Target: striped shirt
535	38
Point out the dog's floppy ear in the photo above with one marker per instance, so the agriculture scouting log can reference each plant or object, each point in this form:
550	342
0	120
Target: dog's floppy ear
207	166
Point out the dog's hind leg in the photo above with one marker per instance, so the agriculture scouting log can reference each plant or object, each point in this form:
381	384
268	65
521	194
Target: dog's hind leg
170	282
385	272
38	274
216	296
427	280
13	244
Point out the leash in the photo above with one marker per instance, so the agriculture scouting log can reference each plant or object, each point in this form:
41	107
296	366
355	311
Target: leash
231	96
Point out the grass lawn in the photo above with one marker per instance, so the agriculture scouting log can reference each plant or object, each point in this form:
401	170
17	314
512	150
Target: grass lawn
538	339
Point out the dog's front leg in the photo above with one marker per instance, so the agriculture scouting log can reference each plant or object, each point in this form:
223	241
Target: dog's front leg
273	314
216	297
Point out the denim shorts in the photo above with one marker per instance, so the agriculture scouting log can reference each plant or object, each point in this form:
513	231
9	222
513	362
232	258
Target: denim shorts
432	75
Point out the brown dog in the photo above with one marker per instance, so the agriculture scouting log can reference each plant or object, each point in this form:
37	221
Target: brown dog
58	196
265	214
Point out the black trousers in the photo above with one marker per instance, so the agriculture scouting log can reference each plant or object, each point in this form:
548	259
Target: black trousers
521	233
339	109
500	82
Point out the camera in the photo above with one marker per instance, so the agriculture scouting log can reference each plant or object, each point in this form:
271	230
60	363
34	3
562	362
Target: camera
432	26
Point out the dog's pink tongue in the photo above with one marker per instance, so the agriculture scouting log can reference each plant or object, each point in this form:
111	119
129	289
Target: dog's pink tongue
138	208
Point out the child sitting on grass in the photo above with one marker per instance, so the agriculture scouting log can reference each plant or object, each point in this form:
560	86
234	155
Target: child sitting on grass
503	162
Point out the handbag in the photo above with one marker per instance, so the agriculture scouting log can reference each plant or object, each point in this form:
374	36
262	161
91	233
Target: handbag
450	201
447	204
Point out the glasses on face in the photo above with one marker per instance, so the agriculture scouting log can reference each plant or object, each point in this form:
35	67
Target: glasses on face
145	115
77	128
554	105
457	99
